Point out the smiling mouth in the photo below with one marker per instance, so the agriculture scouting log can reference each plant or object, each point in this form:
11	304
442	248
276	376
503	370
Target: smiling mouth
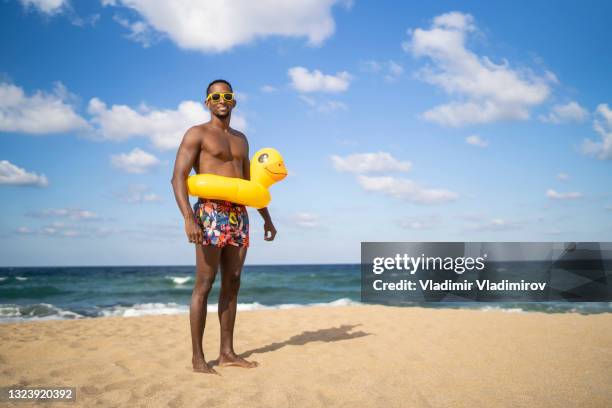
269	171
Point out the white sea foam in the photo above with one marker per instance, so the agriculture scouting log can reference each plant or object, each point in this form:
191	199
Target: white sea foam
45	311
21	278
554	307
148	309
258	306
3	278
179	280
501	309
11	313
145	309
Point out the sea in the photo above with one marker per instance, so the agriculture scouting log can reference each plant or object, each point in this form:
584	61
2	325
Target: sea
45	293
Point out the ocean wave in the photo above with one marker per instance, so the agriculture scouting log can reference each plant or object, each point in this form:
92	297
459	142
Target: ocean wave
501	309
10	313
179	280
15	313
40	292
145	309
45	311
148	309
335	303
13	278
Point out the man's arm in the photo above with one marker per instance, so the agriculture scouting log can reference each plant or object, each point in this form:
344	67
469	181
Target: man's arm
265	214
185	159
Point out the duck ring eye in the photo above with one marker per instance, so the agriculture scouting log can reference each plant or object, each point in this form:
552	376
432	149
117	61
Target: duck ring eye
263	158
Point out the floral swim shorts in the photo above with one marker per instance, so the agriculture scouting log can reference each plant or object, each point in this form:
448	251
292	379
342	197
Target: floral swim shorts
222	222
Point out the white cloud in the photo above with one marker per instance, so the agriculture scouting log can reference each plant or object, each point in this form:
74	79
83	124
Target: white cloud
216	26
46	6
562	176
137	161
420	223
56	7
331	106
268	89
305	81
496	224
371	66
306	220
139	31
476	140
24	231
45	113
602	125
241	96
60	229
485	91
40	113
302	220
570	112
395	71
552	194
392	69
369	163
70	213
138	193
165	128
310	101
347	142
405	189
13	175
327	106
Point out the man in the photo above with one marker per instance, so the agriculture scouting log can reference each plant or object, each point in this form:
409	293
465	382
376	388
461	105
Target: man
219	229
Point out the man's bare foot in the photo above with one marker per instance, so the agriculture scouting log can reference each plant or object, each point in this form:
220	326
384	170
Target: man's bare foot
200	366
231	359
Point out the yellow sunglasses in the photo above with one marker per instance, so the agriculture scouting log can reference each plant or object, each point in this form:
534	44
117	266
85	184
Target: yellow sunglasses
216	96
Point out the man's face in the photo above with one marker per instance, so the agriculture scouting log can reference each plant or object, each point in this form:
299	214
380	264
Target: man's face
222	108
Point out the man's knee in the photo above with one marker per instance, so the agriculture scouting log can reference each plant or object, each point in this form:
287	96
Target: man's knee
203	286
231	280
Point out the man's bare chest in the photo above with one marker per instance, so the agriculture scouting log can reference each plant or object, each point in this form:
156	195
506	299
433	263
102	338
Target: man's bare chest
224	147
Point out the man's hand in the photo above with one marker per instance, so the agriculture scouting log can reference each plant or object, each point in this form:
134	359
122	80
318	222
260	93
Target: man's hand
269	228
193	231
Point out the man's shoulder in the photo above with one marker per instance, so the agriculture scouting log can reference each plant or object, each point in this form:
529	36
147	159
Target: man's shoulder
194	136
239	134
199	131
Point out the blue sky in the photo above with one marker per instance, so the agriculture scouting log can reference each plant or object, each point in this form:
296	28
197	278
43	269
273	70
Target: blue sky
453	121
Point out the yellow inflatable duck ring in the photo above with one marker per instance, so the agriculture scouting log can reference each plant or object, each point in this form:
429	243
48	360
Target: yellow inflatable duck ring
267	168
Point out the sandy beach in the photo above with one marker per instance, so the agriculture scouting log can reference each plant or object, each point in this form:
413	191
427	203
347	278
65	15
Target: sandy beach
355	356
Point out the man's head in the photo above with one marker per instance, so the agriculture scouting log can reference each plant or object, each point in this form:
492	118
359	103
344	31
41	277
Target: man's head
216	101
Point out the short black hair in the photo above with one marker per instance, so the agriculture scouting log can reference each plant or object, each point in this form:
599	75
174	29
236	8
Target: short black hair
216	81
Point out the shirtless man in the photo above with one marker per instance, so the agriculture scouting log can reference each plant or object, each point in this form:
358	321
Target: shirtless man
219	229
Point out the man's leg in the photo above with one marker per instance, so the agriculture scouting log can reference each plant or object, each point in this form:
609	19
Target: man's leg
207	263
232	260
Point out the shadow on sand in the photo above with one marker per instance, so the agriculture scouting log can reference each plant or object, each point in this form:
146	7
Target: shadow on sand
327	335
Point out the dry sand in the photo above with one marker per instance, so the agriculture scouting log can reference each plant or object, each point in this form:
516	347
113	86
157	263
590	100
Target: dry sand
356	356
